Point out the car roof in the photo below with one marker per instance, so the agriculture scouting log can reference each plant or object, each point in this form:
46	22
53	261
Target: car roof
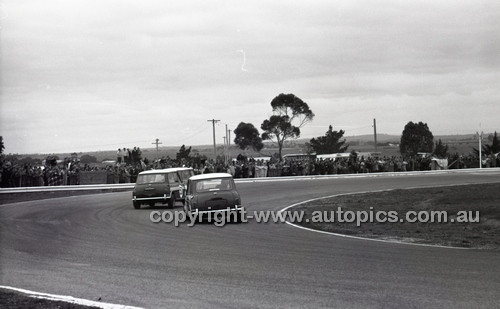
179	169
165	170
211	176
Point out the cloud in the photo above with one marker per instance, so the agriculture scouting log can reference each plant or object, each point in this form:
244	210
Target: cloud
128	69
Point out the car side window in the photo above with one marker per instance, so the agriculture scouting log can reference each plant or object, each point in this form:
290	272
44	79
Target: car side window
173	178
159	178
199	186
184	175
225	184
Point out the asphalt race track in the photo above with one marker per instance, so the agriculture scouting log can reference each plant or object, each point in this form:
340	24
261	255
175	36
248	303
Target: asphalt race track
98	246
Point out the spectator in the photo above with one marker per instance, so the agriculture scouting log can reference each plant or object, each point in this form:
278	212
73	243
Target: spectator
119	156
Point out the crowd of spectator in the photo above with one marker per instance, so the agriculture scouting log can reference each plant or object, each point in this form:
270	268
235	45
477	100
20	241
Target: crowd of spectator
249	167
125	170
66	172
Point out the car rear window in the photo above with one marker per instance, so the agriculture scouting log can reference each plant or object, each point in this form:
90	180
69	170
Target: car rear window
219	184
151	178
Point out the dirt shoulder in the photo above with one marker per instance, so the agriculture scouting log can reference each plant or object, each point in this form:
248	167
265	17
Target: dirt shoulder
480	202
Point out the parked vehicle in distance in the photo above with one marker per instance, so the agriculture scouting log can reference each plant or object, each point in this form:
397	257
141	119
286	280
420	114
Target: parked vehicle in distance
210	193
164	186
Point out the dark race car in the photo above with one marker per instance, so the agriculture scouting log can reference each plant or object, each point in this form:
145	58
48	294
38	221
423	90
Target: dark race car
212	193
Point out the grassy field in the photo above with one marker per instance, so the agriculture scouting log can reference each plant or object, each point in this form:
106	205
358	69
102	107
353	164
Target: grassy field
484	199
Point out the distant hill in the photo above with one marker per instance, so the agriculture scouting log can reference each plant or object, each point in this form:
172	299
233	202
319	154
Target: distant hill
387	145
382	138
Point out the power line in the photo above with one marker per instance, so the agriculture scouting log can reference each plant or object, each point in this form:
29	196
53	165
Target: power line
196	131
115	144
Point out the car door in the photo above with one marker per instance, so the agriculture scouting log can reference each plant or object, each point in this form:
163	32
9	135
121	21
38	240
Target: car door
175	183
184	176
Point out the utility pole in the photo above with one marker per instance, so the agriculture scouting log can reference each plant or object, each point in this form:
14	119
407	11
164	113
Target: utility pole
480	136
213	121
225	148
375	133
229	146
156	142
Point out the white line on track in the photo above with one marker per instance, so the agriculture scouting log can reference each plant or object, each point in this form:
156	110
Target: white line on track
68	299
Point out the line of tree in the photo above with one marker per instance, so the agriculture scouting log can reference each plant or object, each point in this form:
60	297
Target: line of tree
417	138
290	114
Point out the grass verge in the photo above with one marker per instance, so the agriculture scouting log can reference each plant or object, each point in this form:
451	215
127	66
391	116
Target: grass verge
483	198
16	300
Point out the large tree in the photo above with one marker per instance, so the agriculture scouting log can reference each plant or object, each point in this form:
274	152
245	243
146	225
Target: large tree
247	135
2	146
495	144
416	137
290	113
440	150
329	143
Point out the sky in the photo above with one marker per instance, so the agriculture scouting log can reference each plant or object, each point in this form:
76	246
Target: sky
93	75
